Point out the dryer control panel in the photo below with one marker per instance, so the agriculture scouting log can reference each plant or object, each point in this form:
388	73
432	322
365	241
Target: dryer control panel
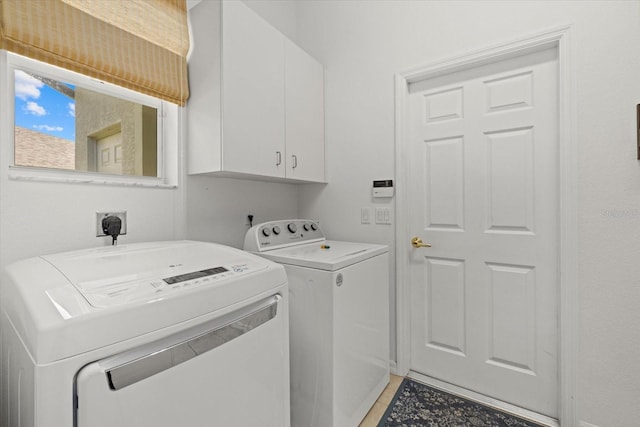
110	277
282	233
116	291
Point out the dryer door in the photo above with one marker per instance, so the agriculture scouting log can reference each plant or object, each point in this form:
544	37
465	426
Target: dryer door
232	370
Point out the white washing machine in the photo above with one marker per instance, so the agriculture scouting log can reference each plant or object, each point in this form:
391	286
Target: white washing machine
339	320
179	334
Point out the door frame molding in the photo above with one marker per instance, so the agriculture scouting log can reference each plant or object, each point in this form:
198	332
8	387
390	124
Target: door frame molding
560	38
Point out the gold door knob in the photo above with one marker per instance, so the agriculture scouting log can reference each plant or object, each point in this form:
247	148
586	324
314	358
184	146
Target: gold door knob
416	242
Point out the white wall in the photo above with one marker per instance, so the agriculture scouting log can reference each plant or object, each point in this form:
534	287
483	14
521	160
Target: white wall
218	207
363	43
279	13
39	217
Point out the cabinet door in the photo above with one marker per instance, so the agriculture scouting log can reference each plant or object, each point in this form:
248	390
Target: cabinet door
304	104
253	93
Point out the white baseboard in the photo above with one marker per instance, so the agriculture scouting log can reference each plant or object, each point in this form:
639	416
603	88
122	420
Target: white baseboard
393	367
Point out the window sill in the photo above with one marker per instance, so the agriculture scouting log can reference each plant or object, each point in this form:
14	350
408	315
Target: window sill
18	173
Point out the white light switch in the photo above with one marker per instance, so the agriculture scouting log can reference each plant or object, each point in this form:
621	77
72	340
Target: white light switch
383	216
365	215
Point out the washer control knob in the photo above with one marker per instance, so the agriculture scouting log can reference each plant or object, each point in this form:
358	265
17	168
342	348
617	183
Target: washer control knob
314	226
276	230
292	228
306	227
266	232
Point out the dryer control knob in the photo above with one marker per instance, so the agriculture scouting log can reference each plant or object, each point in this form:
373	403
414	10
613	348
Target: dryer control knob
266	232
276	230
292	228
306	227
314	227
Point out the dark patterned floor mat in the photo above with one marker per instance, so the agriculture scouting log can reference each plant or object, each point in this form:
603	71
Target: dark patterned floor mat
418	405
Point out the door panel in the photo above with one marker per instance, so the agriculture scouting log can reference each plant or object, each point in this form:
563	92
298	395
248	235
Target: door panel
444	187
510	201
445	305
512	321
483	184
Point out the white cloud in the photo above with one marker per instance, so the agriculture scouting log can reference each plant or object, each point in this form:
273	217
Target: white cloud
49	128
27	86
35	109
72	109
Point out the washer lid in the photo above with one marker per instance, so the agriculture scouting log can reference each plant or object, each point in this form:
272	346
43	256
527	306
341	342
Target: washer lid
66	304
328	255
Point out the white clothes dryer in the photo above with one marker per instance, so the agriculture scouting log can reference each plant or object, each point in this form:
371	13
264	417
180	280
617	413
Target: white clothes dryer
339	320
155	334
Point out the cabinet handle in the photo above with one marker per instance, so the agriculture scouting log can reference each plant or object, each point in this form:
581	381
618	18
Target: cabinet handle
295	161
278	158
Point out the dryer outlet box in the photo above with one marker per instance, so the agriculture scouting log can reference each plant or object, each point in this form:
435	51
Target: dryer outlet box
102	215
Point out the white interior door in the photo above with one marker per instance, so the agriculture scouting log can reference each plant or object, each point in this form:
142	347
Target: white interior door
484	192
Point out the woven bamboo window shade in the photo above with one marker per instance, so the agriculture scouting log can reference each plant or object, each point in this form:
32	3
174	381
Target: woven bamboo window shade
138	44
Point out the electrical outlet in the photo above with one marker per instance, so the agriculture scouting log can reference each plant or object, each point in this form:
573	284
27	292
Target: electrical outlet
102	215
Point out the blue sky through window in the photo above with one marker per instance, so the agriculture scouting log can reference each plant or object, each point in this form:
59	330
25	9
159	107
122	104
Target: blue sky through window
41	108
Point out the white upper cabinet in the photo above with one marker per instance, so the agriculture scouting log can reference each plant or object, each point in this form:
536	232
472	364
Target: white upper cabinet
257	107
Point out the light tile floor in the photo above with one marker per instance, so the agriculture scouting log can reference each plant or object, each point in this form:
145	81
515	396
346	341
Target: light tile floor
377	410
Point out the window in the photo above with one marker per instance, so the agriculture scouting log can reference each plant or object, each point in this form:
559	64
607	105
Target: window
67	121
